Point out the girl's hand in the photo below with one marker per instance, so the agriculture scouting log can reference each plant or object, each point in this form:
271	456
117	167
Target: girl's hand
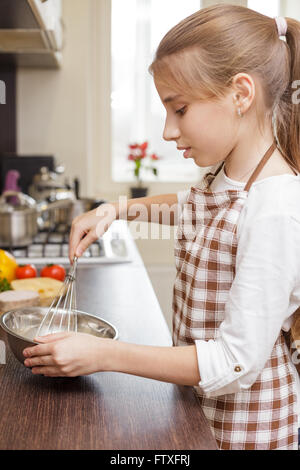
88	227
68	355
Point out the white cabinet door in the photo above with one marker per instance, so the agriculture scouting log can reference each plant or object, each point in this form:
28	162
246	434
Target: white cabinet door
49	16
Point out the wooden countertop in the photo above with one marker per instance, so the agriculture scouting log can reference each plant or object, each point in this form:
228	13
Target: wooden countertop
111	411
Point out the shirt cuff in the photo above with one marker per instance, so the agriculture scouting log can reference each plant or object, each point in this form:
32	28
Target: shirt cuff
220	374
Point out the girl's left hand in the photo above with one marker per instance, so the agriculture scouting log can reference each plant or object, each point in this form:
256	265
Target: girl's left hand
68	355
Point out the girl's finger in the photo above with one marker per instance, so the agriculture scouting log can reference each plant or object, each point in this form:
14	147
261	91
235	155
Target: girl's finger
85	243
76	235
39	350
39	361
52	337
47	371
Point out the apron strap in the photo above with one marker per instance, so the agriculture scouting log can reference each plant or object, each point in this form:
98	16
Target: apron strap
260	166
211	176
219	169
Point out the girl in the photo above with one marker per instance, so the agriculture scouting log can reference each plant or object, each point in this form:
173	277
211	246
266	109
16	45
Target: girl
225	76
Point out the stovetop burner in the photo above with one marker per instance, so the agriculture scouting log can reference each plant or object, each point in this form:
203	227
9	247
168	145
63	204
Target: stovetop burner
53	247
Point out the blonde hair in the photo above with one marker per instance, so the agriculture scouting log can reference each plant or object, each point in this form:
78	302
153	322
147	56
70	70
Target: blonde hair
203	53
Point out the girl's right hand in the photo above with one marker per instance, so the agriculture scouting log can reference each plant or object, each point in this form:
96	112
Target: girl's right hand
87	228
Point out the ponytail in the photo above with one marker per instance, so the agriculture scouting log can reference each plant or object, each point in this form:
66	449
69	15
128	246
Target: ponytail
287	114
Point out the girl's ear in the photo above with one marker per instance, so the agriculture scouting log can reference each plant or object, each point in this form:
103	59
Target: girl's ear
244	91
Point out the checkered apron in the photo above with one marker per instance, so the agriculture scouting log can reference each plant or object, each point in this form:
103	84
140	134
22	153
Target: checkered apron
263	417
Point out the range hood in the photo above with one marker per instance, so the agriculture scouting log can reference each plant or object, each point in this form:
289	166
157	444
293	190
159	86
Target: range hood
31	26
23	41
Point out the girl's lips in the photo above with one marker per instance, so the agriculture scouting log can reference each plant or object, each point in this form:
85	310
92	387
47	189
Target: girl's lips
187	153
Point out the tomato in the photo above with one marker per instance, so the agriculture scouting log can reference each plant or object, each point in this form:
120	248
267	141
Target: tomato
26	271
56	271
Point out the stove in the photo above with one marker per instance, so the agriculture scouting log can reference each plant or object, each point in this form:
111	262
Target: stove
52	247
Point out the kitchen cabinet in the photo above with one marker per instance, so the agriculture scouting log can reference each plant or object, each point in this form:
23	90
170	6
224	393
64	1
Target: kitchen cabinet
31	33
108	410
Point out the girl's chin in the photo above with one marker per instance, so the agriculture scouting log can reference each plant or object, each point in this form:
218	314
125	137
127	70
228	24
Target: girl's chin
198	159
202	163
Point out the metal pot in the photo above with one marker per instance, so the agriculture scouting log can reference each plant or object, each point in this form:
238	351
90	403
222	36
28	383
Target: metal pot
20	223
48	188
55	212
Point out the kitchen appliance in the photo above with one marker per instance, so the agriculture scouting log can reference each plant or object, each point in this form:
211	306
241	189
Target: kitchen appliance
19	222
11	181
31	26
54	212
62	313
21	327
42	179
52	247
27	166
82	205
50	244
48	186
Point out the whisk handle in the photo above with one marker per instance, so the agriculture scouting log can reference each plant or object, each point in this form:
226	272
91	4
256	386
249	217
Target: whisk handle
71	275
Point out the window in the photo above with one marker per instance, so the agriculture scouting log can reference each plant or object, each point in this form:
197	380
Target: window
137	112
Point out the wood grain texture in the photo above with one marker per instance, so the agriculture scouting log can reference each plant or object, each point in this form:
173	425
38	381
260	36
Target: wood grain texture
105	410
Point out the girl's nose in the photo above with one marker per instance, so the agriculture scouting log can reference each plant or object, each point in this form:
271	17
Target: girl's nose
171	131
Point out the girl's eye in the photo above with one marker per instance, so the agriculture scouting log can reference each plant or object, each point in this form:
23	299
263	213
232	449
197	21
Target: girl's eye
181	111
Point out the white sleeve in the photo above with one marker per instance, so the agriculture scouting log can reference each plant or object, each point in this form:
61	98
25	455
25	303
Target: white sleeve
267	270
182	197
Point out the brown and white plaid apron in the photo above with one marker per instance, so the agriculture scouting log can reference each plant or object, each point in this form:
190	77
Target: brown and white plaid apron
263	417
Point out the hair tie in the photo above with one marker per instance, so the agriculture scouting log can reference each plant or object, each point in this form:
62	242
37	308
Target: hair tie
282	26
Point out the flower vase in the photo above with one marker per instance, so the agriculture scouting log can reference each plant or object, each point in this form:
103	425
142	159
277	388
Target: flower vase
137	192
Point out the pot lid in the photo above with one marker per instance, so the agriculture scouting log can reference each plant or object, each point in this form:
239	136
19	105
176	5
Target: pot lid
14	201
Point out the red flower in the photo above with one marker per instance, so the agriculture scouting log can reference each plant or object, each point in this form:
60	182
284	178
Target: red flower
137	153
144	146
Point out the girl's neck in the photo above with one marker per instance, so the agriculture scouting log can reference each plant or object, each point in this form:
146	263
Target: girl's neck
246	155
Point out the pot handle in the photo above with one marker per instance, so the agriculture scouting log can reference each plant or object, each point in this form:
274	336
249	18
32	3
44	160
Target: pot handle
23	198
60	204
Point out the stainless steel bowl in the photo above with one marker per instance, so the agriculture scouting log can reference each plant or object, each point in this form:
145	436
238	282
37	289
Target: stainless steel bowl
21	326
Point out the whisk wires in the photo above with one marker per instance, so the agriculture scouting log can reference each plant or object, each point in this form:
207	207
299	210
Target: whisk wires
62	314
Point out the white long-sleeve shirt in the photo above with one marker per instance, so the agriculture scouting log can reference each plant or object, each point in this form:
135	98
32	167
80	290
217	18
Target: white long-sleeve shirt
266	288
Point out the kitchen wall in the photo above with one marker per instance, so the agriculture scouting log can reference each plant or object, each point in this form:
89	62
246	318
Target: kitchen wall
67	113
291	8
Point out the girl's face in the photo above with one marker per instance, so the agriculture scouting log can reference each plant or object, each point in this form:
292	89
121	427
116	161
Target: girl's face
205	130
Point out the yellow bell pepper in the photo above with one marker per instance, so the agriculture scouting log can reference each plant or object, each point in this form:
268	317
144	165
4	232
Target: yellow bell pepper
8	266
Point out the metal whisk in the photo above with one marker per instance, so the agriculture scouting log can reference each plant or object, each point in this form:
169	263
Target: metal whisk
62	313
